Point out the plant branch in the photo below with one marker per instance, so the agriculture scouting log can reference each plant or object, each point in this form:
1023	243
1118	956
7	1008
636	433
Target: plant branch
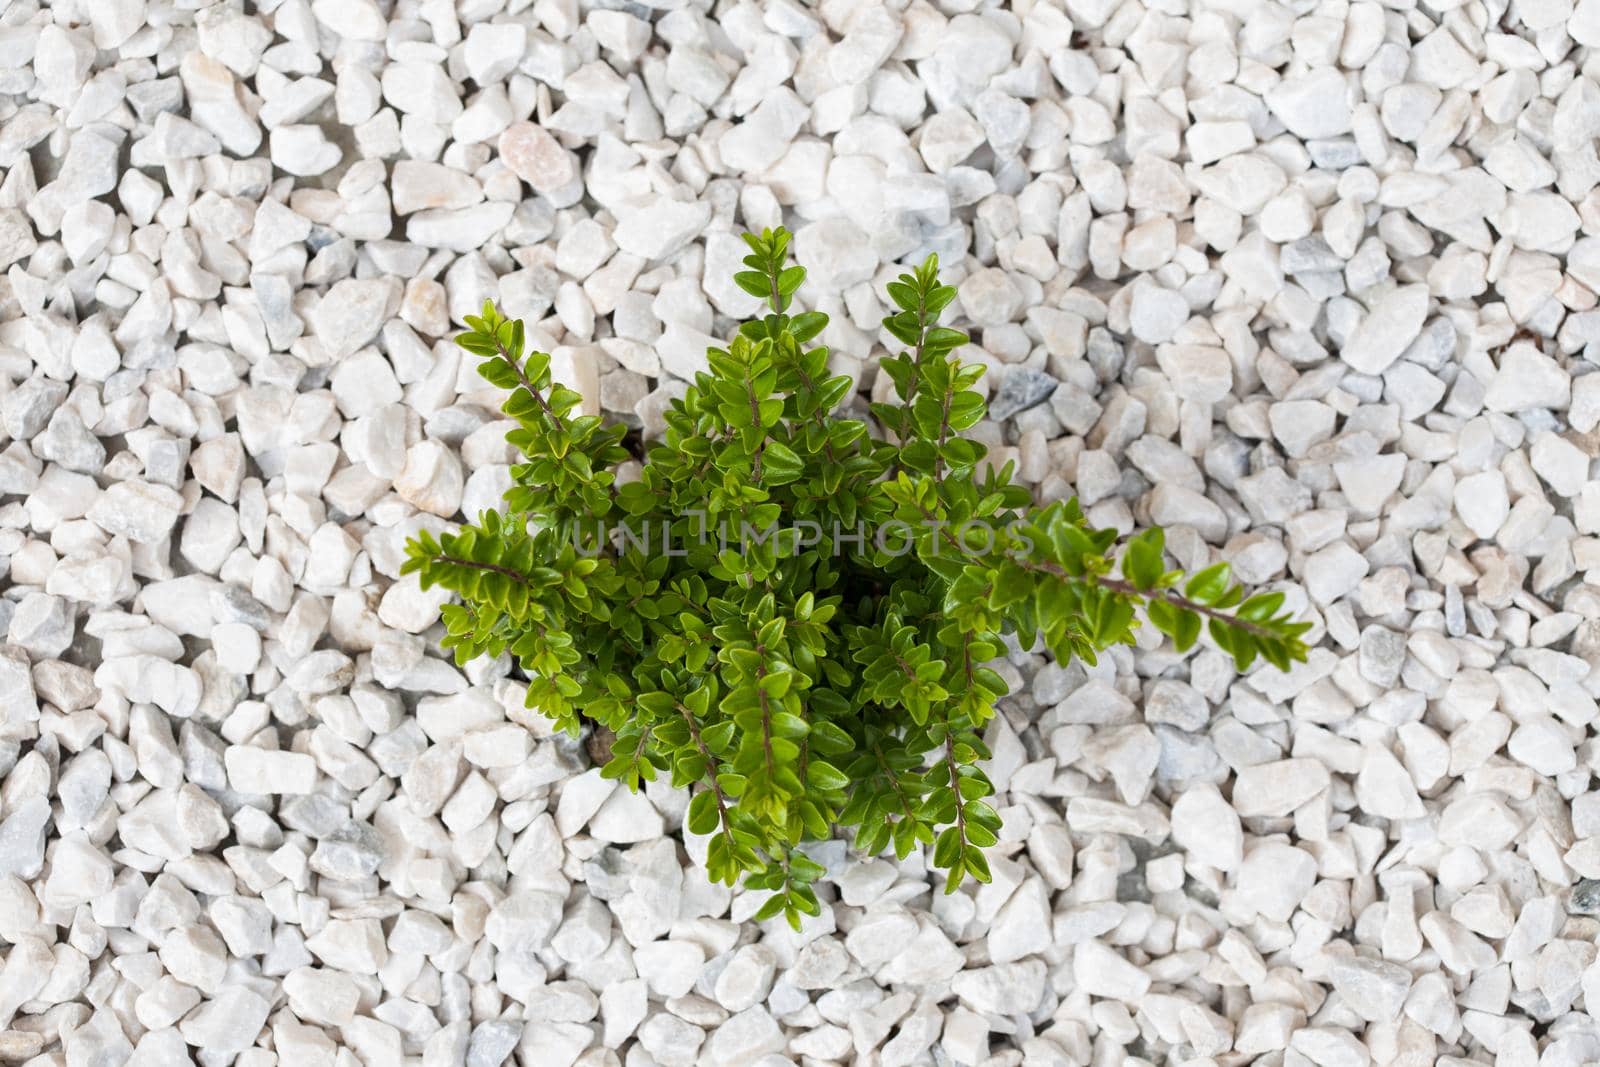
522	376
766	712
955	785
1116	585
1178	600
894	783
491	567
711	772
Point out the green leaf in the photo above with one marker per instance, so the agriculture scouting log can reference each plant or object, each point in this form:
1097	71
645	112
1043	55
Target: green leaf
743	699
1141	564
1187	630
1208	586
718	737
825	776
779	463
1260	608
830	739
702	818
770	910
807	325
792	727
976	865
753	283
1011	584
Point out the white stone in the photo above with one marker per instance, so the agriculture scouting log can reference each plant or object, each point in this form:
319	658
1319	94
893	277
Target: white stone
1156	314
989	297
1023	924
304	151
464	229
228	1023
1384	788
1274	879
670	967
1391	324
1544	745
671	1041
1278	788
421	89
1527	379
1207	827
418	184
535	156
195	956
747	979
762	137
1368	484
1332	572
622	1007
1563	465
494	49
357	19
1102	972
259	770
1330	1046
139	511
581	797
432	479
1482	502
744	1039
836	252
351	314
657	227
626	817
1201	373
321	995
1315	104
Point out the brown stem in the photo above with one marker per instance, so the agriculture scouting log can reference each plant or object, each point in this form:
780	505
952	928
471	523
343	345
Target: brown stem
528	385
711	769
1117	585
905	802
922	336
955	784
1176	599
476	566
817	416
766	712
755	420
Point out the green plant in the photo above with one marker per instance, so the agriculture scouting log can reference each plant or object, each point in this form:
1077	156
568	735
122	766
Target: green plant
789	611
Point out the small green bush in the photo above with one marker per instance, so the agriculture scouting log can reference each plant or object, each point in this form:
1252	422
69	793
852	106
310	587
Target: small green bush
791	611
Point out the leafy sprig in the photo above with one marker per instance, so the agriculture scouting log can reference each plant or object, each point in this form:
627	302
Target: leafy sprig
793	613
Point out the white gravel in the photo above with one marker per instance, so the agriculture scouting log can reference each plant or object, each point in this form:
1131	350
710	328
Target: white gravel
1312	285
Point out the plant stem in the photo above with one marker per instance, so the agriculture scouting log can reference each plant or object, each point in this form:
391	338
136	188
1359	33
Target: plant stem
1116	585
766	713
476	566
522	376
711	773
955	785
894	782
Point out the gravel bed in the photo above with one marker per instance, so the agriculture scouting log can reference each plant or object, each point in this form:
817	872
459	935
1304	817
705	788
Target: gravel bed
1314	286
